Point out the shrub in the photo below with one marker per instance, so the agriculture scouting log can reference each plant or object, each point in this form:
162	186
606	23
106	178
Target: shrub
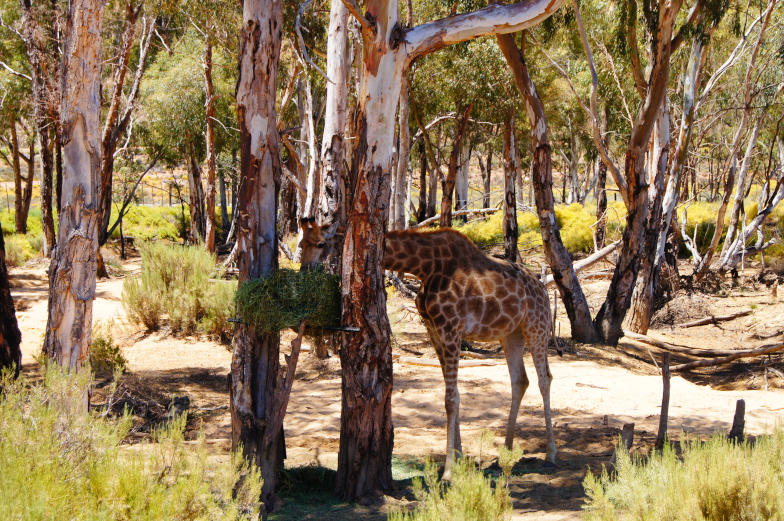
470	496
106	357
17	250
175	283
219	307
61	462
145	223
713	480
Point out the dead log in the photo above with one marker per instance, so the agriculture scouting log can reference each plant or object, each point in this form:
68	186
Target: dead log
665	406
714	319
437	217
677	348
738	422
763	350
588	261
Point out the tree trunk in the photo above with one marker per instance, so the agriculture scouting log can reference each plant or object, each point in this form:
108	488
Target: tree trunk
643	298
58	168
645	293
558	258
72	270
332	210
461	182
196	193
20	218
364	458
487	177
255	357
448	186
209	105
511	251
115	123
224	209
38	42
47	170
10	337
423	192
401	172
601	205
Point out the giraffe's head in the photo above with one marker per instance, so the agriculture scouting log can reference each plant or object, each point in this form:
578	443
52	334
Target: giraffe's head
313	243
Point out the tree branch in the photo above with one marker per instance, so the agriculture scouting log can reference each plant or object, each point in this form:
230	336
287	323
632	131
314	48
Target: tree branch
356	12
493	19
14	71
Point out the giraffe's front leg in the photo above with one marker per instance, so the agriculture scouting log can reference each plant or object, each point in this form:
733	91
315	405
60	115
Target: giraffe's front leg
451	357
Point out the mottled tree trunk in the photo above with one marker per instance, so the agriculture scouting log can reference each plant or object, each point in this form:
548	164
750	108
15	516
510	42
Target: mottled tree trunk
558	258
209	105
511	250
47	171
72	270
255	357
643	305
331	208
10	337
448	186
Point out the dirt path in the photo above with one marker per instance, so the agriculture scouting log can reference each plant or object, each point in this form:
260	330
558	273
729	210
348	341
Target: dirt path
593	395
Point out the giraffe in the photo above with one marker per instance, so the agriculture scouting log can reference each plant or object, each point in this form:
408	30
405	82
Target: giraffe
467	295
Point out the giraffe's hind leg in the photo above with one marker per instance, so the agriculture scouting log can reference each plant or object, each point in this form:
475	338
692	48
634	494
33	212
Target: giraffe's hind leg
513	349
538	341
447	346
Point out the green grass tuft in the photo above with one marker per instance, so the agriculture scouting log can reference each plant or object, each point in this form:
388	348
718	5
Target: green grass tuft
470	496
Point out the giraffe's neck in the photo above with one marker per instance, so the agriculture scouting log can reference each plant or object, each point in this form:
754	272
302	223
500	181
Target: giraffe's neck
412	253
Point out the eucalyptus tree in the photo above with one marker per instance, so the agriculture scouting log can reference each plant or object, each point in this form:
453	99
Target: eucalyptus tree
72	271
39	28
256	357
364	458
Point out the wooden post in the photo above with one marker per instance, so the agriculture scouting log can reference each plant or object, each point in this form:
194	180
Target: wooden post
738	422
665	401
627	438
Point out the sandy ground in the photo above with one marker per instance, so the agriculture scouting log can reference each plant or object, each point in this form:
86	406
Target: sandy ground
594	391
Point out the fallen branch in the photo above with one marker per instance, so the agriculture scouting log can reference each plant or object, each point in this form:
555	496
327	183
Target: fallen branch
437	217
763	350
588	261
677	348
714	319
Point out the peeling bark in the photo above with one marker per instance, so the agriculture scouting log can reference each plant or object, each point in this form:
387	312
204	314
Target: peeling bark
255	357
72	270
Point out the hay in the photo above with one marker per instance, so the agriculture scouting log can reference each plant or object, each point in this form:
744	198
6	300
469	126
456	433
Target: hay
287	297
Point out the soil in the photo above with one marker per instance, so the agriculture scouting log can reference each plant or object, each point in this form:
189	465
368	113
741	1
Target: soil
596	389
